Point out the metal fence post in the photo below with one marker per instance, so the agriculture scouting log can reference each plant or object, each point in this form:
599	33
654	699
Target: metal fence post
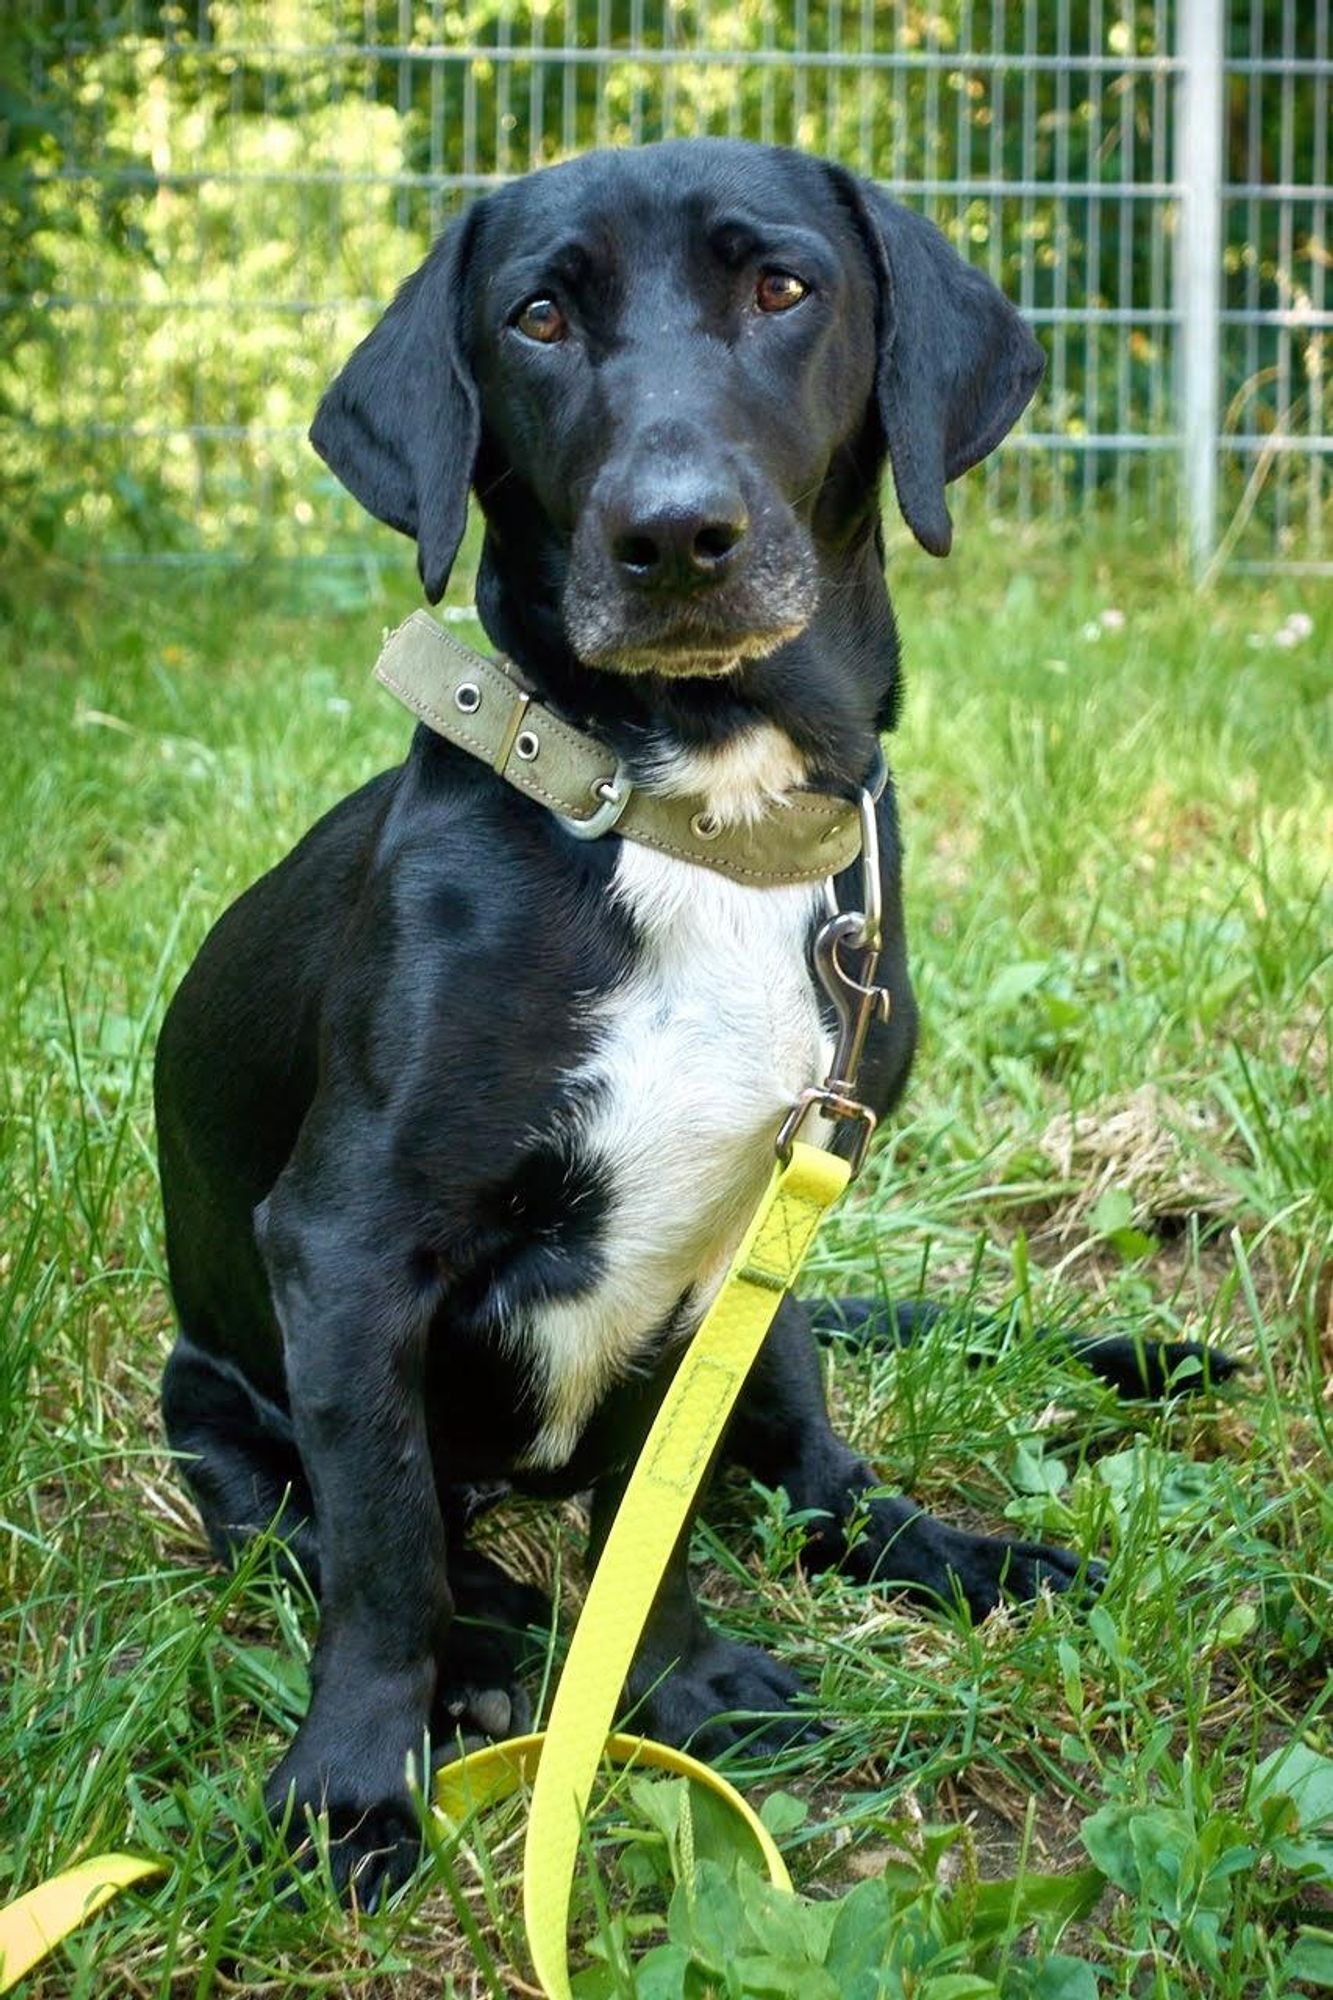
1198	173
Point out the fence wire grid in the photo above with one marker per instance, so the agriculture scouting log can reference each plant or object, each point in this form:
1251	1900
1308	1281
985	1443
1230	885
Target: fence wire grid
212	202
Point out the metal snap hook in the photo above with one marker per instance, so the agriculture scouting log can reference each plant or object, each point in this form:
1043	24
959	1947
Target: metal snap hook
855	999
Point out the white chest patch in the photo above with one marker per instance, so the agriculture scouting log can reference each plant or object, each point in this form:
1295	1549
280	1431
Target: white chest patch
699	1055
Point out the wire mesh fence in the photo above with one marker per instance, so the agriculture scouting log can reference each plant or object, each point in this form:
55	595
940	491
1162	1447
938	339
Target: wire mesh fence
211	203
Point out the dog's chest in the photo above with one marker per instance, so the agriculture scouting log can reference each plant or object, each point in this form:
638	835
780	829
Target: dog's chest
699	1053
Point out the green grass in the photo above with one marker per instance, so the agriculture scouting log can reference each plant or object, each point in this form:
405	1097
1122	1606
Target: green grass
1118	861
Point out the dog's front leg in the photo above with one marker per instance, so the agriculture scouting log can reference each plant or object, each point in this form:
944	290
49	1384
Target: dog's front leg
354	1324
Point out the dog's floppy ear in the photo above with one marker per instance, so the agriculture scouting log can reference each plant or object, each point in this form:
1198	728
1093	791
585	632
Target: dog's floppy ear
400	425
956	364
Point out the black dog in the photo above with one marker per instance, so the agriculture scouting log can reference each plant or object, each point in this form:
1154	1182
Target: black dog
460	1116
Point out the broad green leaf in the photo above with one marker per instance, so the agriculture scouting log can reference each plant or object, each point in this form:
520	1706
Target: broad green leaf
772	1977
793	1928
1311	1959
659	1801
705	1916
858	1940
1103	1629
660	1975
1055	1900
1014	982
1235	1624
1112	1211
599	1982
1033	1472
1304	1776
1108	1837
1063	1978
1312	1860
958	1986
782	1813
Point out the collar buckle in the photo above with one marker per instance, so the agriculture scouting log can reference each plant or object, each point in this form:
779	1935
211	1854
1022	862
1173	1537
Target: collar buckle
615	794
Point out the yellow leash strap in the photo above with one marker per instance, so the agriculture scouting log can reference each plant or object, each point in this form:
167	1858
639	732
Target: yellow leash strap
33	1924
677	1454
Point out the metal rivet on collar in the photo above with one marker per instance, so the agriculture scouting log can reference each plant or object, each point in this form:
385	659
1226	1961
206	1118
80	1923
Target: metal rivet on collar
526	745
467	696
705	826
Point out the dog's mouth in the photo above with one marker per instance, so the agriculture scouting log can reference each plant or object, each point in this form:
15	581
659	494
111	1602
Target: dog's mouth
704	635
687	656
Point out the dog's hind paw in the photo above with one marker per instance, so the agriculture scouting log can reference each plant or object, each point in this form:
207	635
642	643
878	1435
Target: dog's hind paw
496	1634
1132	1367
898	1544
988	1570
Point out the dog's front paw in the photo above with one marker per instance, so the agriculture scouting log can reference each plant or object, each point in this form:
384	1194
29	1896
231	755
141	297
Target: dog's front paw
350	1772
374	1834
723	1696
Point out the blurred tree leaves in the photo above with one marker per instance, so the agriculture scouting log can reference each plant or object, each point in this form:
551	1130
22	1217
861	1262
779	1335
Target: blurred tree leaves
202	207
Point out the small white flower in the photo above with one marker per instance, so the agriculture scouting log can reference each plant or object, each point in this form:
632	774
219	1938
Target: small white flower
1301	623
1286	638
1113	619
1092	630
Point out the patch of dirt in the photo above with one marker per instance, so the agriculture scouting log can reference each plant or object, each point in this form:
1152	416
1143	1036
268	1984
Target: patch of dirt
1148	1146
997	1815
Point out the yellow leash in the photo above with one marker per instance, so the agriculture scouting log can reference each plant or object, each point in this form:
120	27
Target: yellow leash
677	1454
680	1446
33	1924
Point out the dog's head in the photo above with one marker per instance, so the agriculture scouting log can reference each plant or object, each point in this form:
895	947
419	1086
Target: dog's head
672	375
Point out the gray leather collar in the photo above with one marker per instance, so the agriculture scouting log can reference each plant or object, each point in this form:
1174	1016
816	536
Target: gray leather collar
482	707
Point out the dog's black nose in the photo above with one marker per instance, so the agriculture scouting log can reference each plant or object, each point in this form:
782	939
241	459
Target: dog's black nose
681	536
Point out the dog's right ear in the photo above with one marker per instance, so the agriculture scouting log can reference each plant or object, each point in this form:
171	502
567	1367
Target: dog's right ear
400	425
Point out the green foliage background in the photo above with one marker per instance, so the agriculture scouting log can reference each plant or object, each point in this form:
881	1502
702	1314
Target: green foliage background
202	208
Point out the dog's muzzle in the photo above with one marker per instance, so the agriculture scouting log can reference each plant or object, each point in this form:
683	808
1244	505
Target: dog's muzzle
682	565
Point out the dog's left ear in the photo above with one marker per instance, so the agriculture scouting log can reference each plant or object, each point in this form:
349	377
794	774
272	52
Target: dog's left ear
956	366
400	425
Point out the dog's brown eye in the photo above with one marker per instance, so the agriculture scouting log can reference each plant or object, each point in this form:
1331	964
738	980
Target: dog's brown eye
778	291
542	319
